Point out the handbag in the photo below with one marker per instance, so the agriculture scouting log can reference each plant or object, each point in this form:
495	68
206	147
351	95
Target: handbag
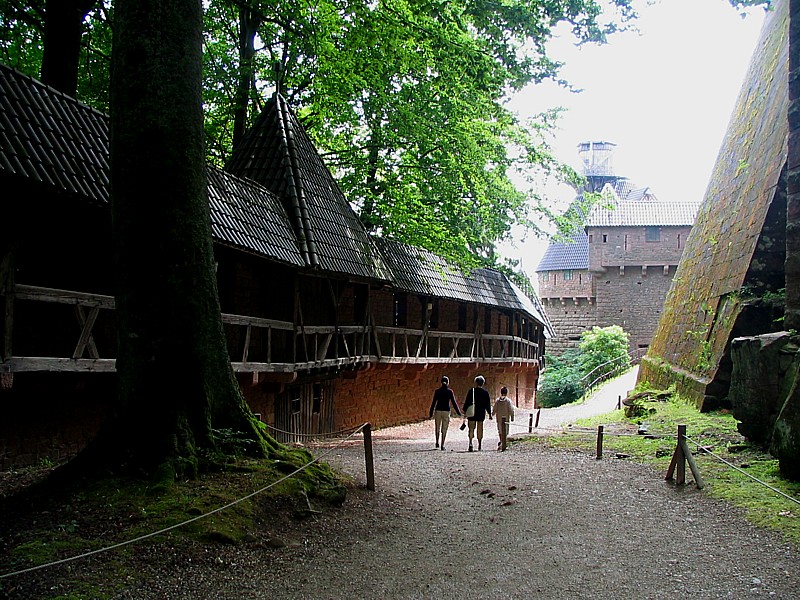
470	410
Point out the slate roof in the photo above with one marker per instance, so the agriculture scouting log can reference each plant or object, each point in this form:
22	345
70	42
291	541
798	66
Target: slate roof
419	271
626	205
572	255
60	143
278	153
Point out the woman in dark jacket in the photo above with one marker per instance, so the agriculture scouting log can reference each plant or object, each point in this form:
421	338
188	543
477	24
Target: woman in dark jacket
482	402
443	399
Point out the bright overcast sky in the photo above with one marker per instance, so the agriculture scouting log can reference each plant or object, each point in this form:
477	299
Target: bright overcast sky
663	95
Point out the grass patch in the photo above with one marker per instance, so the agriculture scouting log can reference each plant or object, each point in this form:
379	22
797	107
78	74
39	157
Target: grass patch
713	431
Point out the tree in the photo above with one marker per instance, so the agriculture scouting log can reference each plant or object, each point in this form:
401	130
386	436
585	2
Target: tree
62	40
603	347
405	99
176	383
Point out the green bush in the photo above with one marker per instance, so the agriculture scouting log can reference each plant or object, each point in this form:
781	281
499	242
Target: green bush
561	380
601	346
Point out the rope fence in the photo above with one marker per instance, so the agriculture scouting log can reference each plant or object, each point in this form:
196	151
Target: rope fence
680	458
365	428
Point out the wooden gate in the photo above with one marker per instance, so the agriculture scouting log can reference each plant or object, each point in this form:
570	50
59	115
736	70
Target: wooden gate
305	410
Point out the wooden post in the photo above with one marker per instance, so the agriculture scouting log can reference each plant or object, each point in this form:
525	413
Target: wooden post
678	459
503	432
619	402
530	424
599	442
538	412
368	460
692	465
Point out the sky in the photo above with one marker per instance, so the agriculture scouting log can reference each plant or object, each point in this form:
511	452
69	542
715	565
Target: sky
663	95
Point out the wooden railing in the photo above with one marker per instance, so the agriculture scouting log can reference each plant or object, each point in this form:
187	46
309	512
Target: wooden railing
257	344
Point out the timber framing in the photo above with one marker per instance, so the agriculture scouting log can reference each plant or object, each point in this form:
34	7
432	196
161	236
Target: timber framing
316	347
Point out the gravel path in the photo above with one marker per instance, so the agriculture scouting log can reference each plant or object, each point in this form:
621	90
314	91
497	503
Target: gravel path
525	523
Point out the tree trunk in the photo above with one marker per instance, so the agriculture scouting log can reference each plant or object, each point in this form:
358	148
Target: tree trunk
175	378
63	20
248	25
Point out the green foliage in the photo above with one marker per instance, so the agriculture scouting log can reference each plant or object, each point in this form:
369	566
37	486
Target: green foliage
561	380
603	346
406	100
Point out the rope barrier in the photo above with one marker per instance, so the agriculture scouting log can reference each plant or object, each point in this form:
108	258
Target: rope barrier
315	435
183	523
743	472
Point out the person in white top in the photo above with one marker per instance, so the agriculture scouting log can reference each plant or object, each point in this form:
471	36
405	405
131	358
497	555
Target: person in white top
504	414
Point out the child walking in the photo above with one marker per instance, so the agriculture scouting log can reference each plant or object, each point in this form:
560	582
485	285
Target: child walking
503	413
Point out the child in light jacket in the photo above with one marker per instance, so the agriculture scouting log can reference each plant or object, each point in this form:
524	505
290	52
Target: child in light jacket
504	414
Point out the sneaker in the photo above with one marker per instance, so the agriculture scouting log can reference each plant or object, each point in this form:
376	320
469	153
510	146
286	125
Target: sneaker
470	448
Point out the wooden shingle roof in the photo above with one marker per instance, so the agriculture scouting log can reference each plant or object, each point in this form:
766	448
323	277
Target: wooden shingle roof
61	144
419	271
277	153
52	139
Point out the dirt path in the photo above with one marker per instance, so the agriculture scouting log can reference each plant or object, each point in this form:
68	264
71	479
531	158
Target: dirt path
526	523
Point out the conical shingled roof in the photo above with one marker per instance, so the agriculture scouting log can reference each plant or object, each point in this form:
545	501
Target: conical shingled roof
278	154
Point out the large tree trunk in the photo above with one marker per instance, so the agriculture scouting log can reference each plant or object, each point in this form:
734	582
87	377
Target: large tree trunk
175	377
63	20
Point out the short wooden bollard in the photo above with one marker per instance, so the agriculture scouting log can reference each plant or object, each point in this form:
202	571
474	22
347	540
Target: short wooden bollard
368	459
538	412
504	426
682	455
599	442
530	423
619	402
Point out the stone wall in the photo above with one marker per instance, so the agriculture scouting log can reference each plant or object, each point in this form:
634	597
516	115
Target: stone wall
633	297
569	317
695	329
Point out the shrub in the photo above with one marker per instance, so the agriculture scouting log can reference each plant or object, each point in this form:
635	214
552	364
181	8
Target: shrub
603	346
561	380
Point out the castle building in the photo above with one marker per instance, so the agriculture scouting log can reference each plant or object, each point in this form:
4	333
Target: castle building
618	268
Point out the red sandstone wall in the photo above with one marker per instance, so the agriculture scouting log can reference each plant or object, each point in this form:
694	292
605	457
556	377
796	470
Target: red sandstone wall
386	396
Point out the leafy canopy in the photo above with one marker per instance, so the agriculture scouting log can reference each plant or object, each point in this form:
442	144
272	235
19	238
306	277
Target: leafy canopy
406	99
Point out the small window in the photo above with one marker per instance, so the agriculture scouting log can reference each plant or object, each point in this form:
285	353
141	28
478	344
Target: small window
487	319
591	237
567	275
545	276
462	317
605	238
400	310
316	399
679	241
652	234
434	315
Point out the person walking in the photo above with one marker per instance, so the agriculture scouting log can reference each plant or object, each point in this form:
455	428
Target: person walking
477	405
503	413
443	399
